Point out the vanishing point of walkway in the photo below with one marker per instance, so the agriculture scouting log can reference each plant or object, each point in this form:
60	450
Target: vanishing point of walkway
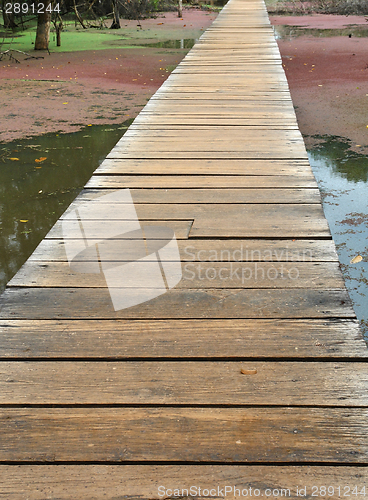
250	373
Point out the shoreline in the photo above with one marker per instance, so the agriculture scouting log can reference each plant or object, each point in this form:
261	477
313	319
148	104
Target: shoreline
327	79
67	91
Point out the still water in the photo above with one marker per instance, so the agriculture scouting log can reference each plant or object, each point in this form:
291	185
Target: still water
39	178
286	32
342	177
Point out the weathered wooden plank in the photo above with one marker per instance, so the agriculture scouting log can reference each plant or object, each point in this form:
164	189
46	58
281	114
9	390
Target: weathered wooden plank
183	94
283	109
189	109
81	303
223	195
186	383
210	91
223	251
218	220
214	133
268	81
207	339
199	275
190	152
254	221
198	181
257	122
181	227
117	482
258	435
209	172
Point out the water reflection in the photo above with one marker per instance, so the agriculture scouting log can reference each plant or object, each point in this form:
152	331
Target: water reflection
39	178
285	32
184	43
342	176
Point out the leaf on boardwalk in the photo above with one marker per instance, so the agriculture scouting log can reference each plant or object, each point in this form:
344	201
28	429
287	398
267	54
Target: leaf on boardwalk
244	371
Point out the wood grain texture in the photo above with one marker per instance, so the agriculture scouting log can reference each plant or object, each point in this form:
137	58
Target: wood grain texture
184	383
214	250
198	275
207	170
129	482
94	303
182	339
199	182
224	435
223	195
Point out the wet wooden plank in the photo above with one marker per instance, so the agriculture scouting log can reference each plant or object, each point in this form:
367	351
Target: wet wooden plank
81	303
93	482
185	383
206	339
199	275
256	435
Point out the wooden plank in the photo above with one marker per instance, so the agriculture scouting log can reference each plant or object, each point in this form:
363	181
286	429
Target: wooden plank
225	195
229	137
185	383
183	94
214	151
255	435
198	275
205	339
263	122
207	109
93	482
181	227
209	172
220	220
101	182
223	251
95	303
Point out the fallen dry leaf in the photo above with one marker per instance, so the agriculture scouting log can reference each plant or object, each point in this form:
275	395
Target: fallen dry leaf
248	372
356	259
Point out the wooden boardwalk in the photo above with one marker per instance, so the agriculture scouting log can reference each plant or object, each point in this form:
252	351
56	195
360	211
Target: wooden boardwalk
251	379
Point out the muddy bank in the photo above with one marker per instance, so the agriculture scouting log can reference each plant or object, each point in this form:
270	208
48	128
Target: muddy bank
65	91
328	77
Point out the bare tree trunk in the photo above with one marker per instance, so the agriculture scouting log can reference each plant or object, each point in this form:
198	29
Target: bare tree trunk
58	23
180	8
78	16
116	20
43	29
9	21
